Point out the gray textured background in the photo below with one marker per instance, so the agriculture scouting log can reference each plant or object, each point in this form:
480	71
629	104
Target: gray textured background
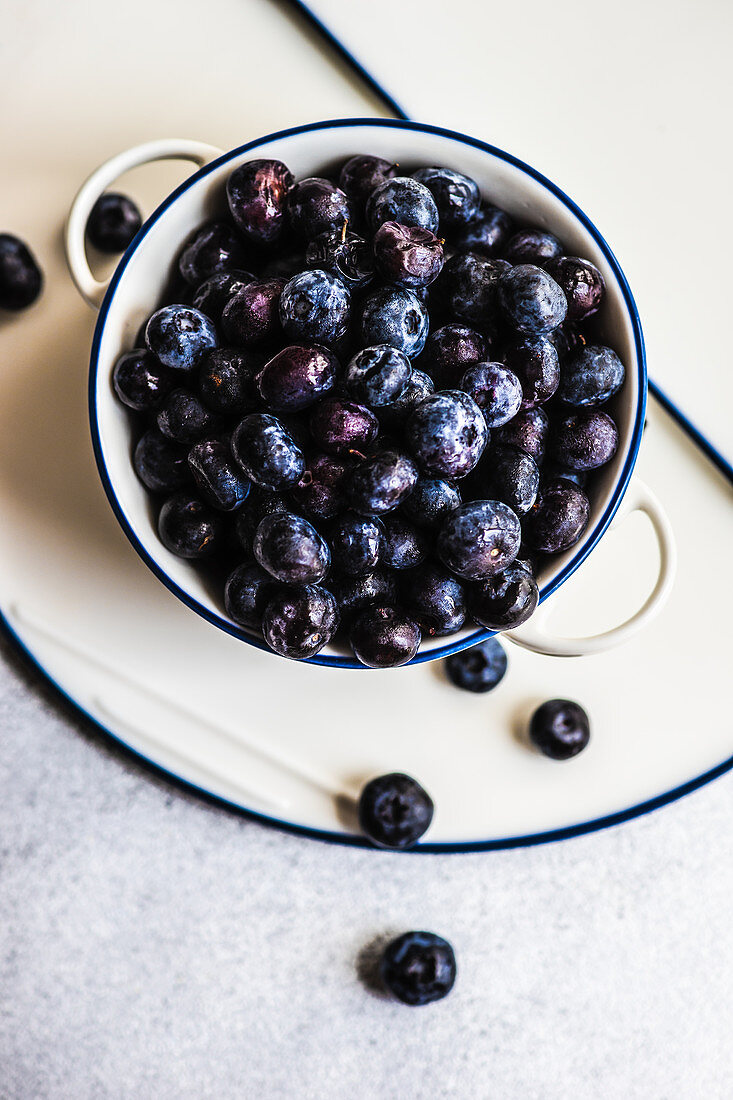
156	947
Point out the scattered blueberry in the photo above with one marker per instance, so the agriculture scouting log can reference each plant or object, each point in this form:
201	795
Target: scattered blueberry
407	255
188	528
315	306
532	246
290	549
221	484
586	440
591	377
378	375
480	668
394	811
256	192
266	452
479	539
315	205
496	390
180	336
447	434
252	315
531	300
558	519
384	637
343	427
297	377
299	622
457	197
21	278
435	598
213	249
419	968
581	283
247	593
113	222
140	381
394	315
382	481
560	729
402	200
505	600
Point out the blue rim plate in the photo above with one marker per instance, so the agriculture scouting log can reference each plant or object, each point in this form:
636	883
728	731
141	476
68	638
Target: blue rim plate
395	124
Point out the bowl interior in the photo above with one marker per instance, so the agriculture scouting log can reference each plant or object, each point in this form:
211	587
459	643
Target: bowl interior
144	273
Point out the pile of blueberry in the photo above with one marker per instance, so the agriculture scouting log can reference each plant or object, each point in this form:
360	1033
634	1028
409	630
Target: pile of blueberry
372	408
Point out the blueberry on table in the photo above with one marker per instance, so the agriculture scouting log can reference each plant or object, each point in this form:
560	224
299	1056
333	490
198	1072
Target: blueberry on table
486	233
188	527
496	390
290	549
214	248
457	197
180	336
559	729
213	294
113	222
394	811
419	968
321	491
450	350
382	482
535	362
227	380
355	594
558	519
315	205
247	593
267	452
586	440
431	501
436	599
402	200
532	246
183	418
531	300
378	375
479	539
513	477
395	414
161	464
341	427
528	431
299	622
591	377
315	305
140	381
394	315
384	637
219	481
21	278
252	315
297	377
582	284
403	545
256	193
362	174
480	668
407	255
343	254
447	434
356	543
468	286
506	600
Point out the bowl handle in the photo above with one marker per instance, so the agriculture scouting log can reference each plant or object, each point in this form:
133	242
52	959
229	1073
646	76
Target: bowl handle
534	634
91	289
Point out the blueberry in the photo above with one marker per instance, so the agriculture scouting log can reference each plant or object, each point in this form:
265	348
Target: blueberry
378	375
403	545
591	377
362	174
558	518
266	452
227	380
586	440
431	501
496	390
299	622
188	528
384	637
581	283
417	389
215	292
315	205
183	418
419	967
457	197
343	254
315	306
535	362
321	491
252	315
435	598
479	539
256	193
447	434
113	222
513	477
528	431
140	381
221	484
394	811
486	233
532	246
160	464
354	594
402	200
559	729
180	336
382	482
506	600
531	300
356	543
450	350
297	377
21	278
259	503
394	315
341	427
553	471
290	549
407	255
212	249
480	668
569	339
247	593
469	285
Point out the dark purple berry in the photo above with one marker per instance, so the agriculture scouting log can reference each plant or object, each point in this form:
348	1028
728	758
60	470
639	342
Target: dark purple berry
532	246
256	192
297	377
321	492
591	377
394	315
531	300
419	968
378	375
247	593
267	453
585	441
486	233
252	315
140	381
355	594
342	427
382	482
183	418
113	222
315	305
535	362
450	350
417	389
559	729
496	390
189	528
581	283
402	200
227	380
478	669
558	519
315	205
457	197
505	600
479	538
431	502
362	174
528	431
21	278
407	255
214	248
394	811
356	543
215	292
468	286
180	336
299	622
384	637
435	598
447	434
290	549
403	545
160	463
220	482
511	476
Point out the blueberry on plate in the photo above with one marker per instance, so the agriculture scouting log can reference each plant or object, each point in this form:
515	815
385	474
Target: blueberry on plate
402	200
407	255
395	414
591	377
558	519
468	285
183	418
450	350
221	484
267	452
378	375
214	293
21	278
180	336
297	377
532	246
355	594
419	968
342	427
528	431
403	545
256	193
531	300
457	197
362	174
586	440
356	543
140	381
559	729
343	254
212	249
299	622
506	600
513	477
382	481
436	599
321	491
447	434
496	390
394	811
582	285
384	637
431	501
252	315
479	539
486	233
394	315
535	362
315	205
315	305
227	380
290	549
113	222
188	527
478	669
160	463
